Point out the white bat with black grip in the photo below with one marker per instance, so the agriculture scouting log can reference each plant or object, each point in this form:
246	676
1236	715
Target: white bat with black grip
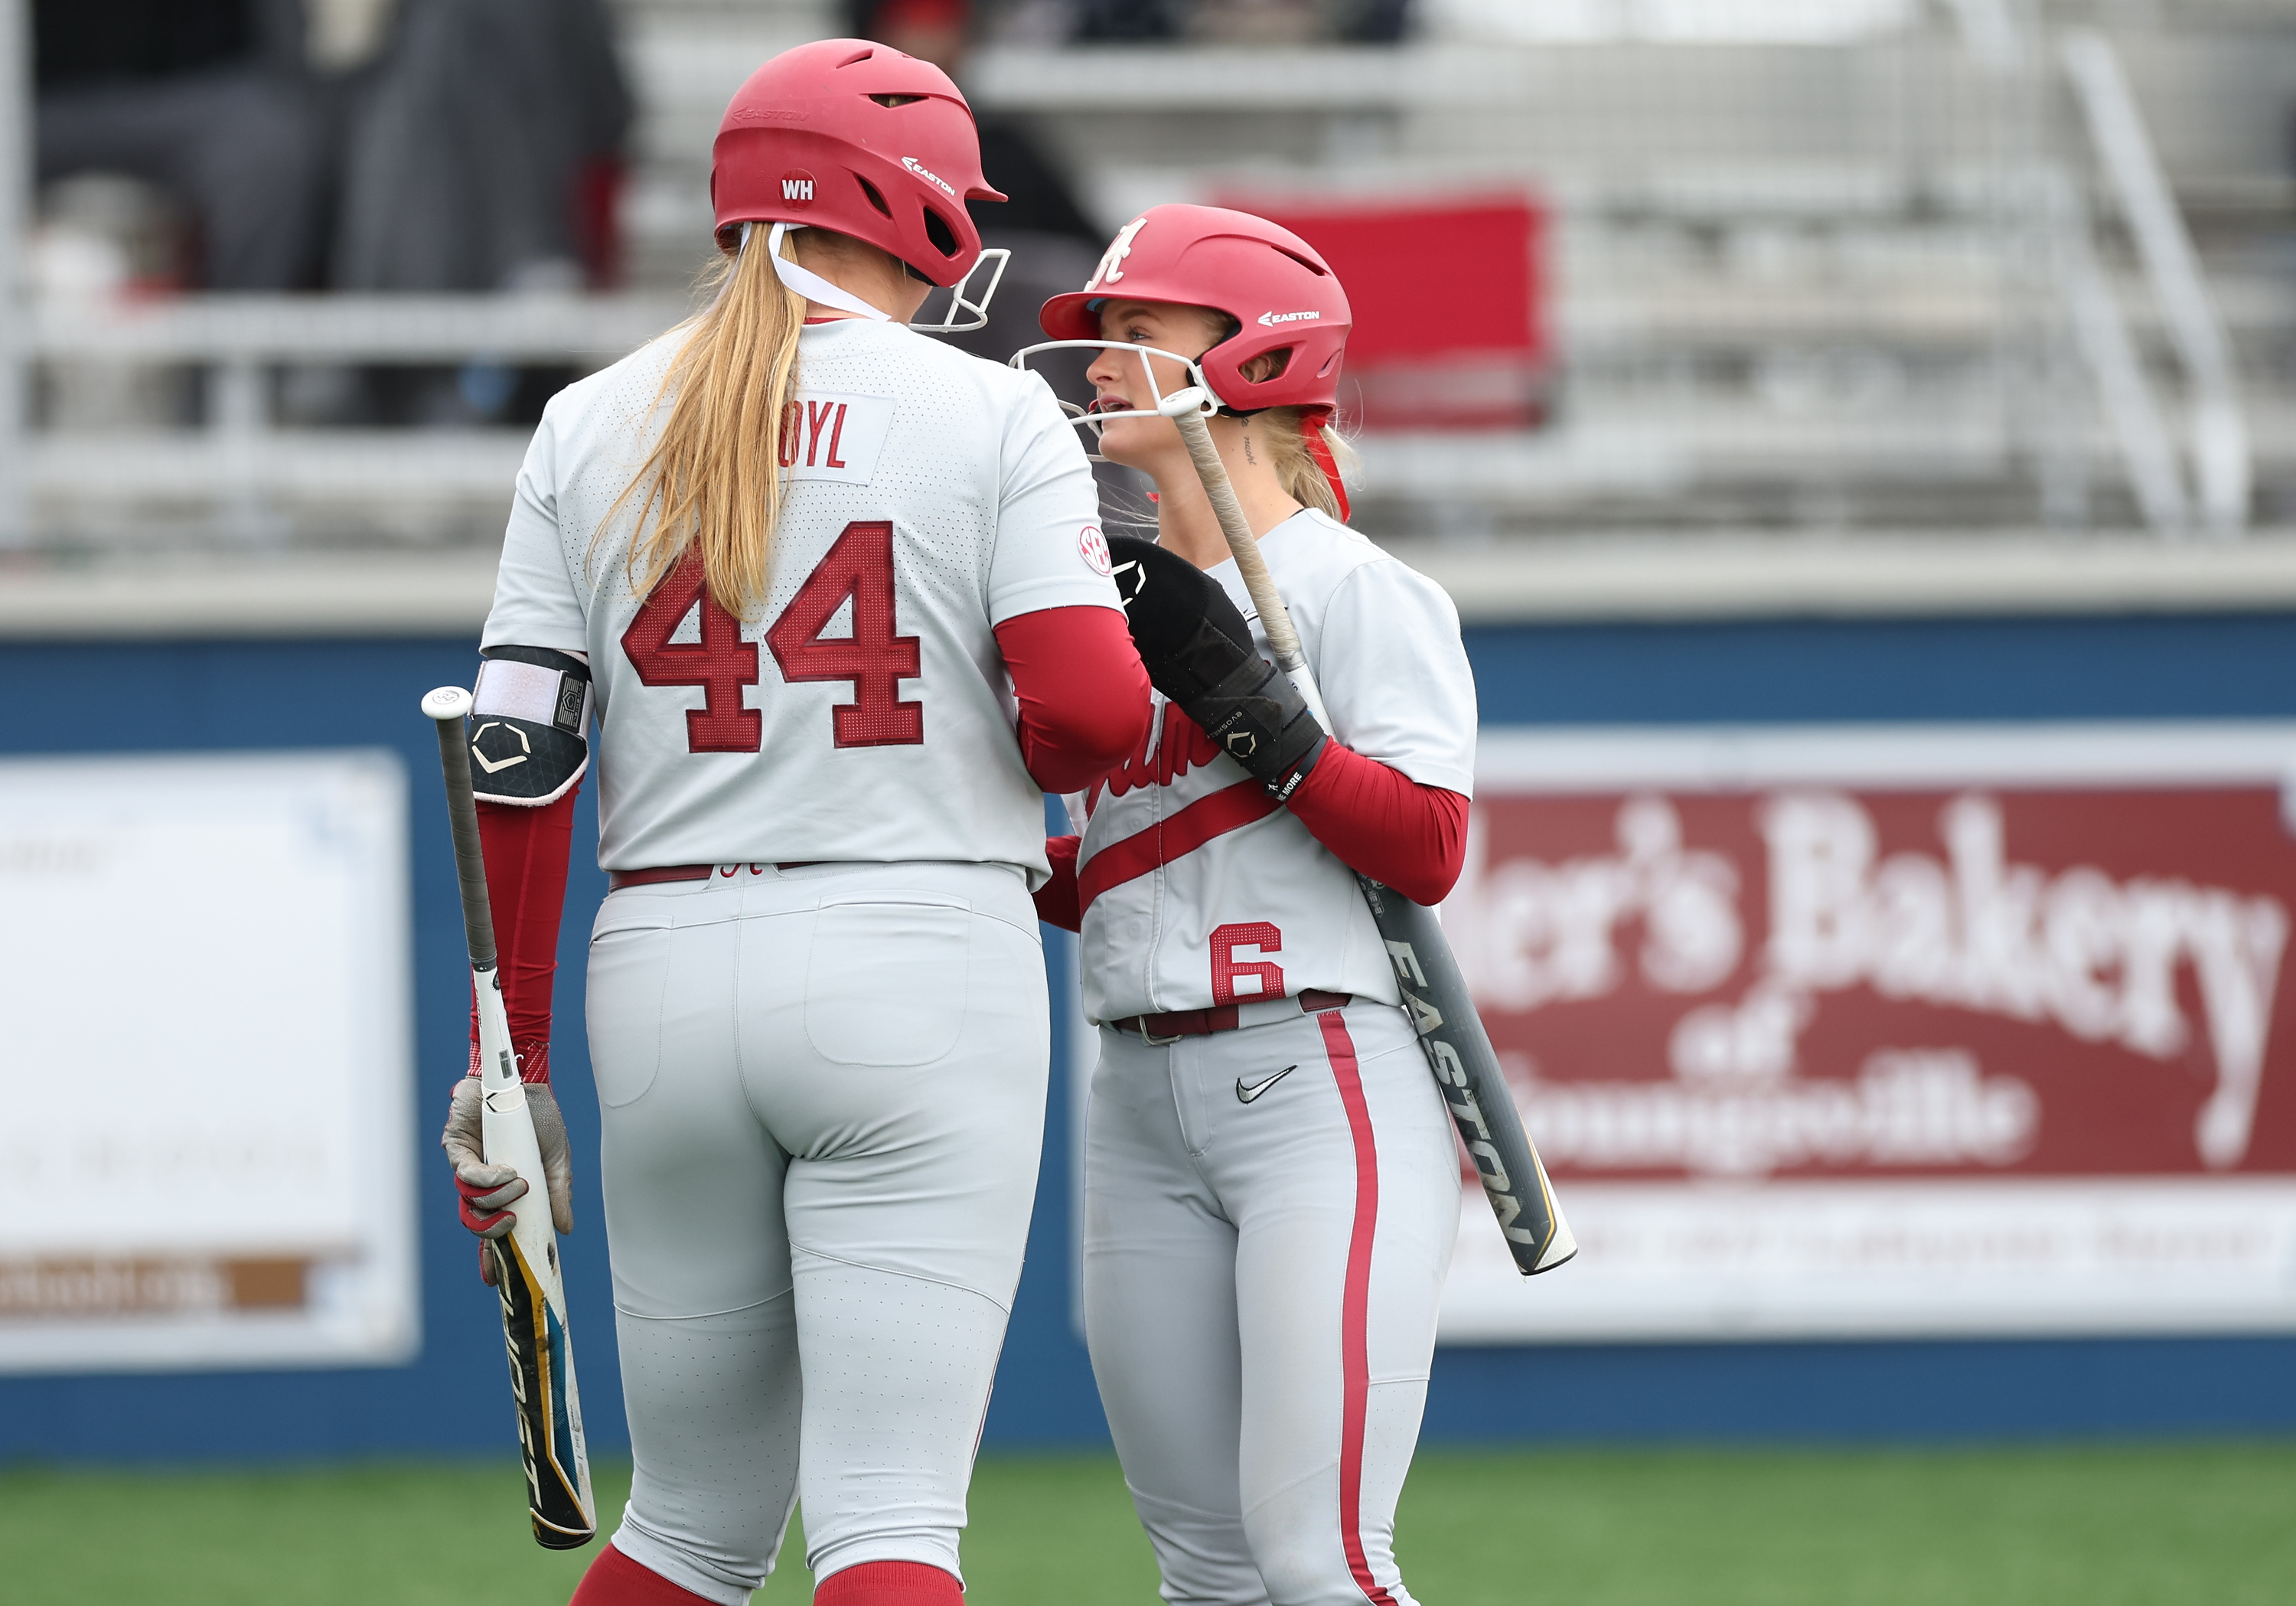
535	1329
1434	993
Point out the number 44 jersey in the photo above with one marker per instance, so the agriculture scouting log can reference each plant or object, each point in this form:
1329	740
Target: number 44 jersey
863	712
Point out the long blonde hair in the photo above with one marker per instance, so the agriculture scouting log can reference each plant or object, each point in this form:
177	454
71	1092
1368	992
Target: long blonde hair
713	481
1296	468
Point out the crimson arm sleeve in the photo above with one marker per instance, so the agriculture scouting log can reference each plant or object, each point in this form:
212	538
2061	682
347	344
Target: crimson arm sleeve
1082	689
526	854
1381	823
1058	901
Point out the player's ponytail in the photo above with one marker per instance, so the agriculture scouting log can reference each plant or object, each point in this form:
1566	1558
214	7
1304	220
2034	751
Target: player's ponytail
713	480
1297	470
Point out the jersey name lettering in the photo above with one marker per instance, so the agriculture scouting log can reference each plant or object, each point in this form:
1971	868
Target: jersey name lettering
1165	754
827	436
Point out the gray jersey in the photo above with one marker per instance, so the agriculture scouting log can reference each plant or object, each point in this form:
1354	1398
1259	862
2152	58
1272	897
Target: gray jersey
864	715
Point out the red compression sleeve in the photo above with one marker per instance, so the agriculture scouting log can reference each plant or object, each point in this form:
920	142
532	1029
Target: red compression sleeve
1382	824
1082	689
614	1579
526	852
1057	901
889	1584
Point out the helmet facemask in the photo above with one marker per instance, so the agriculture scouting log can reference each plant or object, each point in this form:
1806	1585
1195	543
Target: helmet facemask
811	285
1195	397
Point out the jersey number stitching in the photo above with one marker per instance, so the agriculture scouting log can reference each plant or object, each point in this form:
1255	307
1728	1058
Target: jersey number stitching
1228	941
858	567
721	662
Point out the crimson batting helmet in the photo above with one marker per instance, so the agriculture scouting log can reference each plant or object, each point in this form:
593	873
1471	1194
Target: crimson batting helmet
1282	294
854	136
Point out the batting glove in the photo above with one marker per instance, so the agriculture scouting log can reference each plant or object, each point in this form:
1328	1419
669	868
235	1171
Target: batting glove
1200	654
486	1192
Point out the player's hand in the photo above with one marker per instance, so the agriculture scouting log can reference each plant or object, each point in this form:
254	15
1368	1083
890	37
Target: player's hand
1200	654
486	1192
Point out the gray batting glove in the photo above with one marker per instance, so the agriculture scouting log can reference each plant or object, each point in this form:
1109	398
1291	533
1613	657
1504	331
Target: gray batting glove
485	1192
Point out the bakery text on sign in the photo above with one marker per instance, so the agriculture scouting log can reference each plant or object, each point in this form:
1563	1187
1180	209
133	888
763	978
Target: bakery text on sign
1828	981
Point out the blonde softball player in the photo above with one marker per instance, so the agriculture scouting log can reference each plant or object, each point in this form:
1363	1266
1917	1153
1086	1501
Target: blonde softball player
1271	1186
838	596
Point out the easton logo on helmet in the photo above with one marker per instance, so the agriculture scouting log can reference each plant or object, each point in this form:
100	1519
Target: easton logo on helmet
926	173
1268	320
797	187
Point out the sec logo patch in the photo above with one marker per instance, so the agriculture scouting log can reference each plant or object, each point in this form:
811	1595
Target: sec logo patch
1094	548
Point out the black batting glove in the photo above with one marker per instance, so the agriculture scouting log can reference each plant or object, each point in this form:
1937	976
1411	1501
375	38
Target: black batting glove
1200	655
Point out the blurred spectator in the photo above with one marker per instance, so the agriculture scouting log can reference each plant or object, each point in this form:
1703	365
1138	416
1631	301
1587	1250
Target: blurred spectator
942	32
1242	22
485	152
205	100
1053	244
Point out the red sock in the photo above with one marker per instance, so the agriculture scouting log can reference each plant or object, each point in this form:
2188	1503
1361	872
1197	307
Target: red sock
615	1580
889	1584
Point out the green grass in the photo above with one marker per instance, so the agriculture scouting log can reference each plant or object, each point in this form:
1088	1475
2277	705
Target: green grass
2185	1525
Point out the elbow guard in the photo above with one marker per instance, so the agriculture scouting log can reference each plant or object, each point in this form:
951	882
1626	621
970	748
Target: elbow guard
530	725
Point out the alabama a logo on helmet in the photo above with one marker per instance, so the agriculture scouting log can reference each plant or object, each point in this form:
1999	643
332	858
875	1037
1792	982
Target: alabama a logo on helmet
1111	268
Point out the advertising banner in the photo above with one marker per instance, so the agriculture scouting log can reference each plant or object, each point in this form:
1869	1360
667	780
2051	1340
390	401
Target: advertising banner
1891	1031
205	1153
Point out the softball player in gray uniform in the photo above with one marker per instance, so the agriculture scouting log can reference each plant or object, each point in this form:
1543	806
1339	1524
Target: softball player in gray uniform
841	596
1272	1187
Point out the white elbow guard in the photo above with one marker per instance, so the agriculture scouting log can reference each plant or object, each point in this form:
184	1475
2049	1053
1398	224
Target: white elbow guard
530	725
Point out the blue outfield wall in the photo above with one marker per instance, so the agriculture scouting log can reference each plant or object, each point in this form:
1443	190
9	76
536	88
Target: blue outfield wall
227	696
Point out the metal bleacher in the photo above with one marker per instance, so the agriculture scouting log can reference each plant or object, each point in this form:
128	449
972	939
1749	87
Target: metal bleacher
1964	298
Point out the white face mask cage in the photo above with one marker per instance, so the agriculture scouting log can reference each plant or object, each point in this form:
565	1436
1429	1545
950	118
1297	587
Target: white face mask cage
1197	397
974	311
822	293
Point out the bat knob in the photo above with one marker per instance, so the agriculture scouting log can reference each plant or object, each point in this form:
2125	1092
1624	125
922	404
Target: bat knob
447	702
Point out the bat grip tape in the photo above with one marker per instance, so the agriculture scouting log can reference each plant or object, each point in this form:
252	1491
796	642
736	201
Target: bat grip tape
470	858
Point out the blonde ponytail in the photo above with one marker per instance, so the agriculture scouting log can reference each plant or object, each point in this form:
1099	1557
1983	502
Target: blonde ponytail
1296	468
712	483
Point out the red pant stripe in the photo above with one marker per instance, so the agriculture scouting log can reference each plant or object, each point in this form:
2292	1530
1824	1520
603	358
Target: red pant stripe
1354	1303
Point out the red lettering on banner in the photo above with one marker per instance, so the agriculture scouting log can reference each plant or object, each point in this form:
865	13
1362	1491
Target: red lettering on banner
817	418
836	433
1265	977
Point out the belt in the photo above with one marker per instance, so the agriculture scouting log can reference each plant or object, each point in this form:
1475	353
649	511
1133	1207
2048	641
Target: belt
1156	1030
618	879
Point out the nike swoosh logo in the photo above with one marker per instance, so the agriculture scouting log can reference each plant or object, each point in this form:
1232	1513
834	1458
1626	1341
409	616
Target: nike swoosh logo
1245	1092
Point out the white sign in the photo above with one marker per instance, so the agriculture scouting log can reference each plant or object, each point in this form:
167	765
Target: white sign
205	1155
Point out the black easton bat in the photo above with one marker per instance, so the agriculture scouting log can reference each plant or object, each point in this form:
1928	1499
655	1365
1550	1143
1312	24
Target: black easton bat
1434	993
558	1494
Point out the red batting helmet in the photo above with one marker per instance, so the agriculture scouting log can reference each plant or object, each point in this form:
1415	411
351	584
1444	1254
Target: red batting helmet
855	136
1281	292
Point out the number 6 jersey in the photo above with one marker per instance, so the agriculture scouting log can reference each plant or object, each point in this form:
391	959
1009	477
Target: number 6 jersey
865	713
1196	889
